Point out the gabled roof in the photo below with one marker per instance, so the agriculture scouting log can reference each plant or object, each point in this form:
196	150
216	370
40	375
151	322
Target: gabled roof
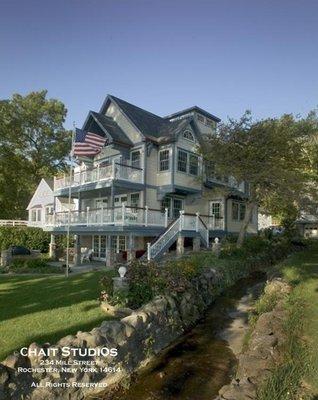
43	194
147	123
111	127
152	126
191	109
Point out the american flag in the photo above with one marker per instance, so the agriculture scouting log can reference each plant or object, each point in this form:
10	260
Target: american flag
87	143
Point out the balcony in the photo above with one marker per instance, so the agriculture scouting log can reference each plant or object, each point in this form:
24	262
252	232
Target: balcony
114	171
126	216
123	215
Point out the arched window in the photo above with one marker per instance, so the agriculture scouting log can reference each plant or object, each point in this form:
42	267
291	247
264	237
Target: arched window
188	135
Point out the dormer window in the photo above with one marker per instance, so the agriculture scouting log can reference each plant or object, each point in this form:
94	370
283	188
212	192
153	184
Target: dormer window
188	135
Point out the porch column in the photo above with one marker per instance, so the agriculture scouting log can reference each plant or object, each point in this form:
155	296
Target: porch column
110	255
196	243
52	248
180	245
77	250
131	249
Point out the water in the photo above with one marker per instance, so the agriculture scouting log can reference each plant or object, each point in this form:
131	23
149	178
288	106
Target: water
203	360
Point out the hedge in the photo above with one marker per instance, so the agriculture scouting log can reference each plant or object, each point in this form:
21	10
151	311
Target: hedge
32	238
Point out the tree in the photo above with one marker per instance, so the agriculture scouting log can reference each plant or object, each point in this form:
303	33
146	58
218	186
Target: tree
33	145
271	156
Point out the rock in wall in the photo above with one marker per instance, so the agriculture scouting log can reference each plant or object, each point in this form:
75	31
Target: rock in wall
137	338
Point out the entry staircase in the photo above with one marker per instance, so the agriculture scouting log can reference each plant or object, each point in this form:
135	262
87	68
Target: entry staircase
185	223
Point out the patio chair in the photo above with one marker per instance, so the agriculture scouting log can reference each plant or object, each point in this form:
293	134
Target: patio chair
87	255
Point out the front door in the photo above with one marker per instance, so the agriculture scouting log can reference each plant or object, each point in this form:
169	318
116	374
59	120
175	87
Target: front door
216	213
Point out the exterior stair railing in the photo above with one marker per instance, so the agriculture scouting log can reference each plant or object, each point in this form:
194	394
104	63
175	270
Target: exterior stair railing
164	241
185	222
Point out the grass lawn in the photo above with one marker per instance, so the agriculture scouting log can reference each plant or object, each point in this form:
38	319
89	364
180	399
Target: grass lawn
44	309
300	367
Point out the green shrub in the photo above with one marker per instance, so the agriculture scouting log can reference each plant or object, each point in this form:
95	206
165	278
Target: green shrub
147	280
35	265
32	238
17	264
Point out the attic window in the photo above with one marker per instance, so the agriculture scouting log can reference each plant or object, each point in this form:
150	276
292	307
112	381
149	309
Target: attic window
188	135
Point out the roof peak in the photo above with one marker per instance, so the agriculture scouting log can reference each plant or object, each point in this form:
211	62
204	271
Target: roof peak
133	105
194	108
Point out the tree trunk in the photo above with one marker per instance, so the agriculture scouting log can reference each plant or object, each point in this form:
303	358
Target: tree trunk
246	221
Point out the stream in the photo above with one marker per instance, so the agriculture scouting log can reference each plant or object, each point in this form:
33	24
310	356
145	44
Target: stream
199	363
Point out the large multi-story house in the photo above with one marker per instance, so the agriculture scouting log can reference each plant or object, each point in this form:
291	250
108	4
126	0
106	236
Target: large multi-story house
148	188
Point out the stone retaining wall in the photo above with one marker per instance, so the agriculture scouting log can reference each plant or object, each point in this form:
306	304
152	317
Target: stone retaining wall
138	337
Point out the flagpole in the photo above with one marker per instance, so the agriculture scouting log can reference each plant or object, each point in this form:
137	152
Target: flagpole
69	205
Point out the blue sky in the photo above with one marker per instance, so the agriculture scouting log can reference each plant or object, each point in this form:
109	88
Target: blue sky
224	56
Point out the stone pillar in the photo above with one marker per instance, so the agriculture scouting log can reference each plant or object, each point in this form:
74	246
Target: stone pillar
180	245
110	254
77	250
131	249
6	258
52	248
196	243
216	247
120	285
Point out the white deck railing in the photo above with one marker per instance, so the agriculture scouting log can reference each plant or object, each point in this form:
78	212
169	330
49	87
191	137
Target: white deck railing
123	215
13	222
185	222
99	174
126	215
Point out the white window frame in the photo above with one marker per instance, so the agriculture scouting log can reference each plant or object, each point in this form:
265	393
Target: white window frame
197	165
119	198
170	204
240	206
167	150
116	244
101	199
137	151
188	135
34	215
186	161
189	154
212	204
132	194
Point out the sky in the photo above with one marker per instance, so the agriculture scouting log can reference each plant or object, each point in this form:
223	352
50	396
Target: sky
225	56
